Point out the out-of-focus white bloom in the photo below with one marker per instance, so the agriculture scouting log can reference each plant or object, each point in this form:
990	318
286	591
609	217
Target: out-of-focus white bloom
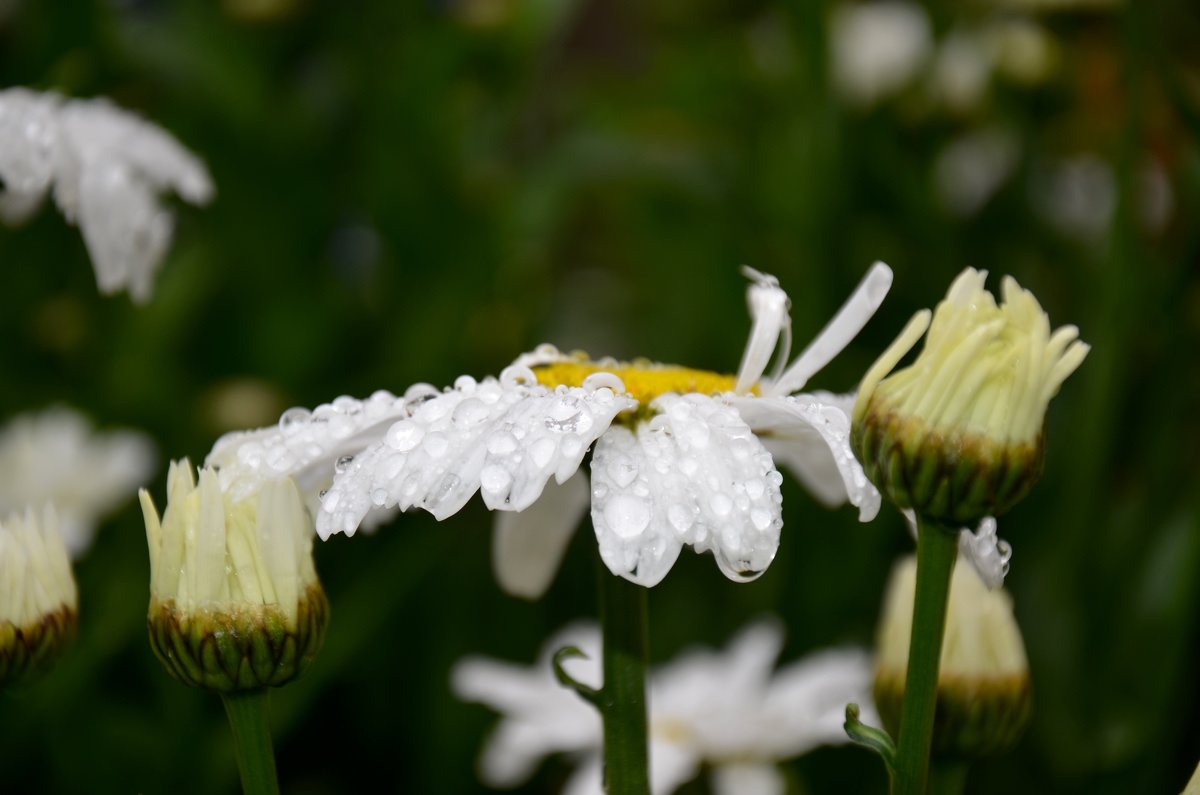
962	70
56	456
730	710
682	456
38	599
1077	195
969	171
107	168
877	47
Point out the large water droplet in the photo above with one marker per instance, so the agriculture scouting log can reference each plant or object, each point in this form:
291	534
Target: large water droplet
501	443
465	384
760	518
379	497
495	479
623	470
720	503
568	415
754	488
469	413
516	375
680	517
293	419
435	444
597	381
405	435
627	516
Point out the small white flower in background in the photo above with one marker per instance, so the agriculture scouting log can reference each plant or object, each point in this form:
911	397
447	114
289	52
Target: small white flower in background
38	598
877	47
730	710
56	456
970	170
682	456
106	167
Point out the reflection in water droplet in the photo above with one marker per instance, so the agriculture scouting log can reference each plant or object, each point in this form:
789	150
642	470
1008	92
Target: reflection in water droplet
343	463
516	375
405	435
293	418
470	412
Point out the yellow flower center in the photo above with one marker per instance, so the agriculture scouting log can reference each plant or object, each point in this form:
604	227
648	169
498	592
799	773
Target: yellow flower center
644	380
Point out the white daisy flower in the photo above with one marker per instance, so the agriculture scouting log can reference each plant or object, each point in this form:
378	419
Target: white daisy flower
730	710
56	456
681	456
106	167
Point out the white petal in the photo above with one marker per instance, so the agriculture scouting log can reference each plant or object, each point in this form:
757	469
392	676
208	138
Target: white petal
988	553
747	778
508	438
587	778
671	766
694	474
810	434
528	546
845	325
28	137
806	702
307	445
769	313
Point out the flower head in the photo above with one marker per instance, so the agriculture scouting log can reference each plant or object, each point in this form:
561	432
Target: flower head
56	456
38	610
106	167
983	691
235	603
957	435
731	710
681	456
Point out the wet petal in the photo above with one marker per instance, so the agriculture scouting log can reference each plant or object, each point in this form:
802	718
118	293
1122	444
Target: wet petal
528	546
507	437
810	434
694	474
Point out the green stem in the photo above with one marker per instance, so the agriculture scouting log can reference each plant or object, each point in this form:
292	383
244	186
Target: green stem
247	712
936	549
622	700
947	777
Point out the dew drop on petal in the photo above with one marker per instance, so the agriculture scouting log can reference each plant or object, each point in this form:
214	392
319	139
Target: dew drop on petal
754	488
405	435
568	415
465	384
469	413
495	479
379	497
516	375
774	478
343	463
680	517
720	503
760	518
291	420
597	381
501	443
623	470
627	516
435	444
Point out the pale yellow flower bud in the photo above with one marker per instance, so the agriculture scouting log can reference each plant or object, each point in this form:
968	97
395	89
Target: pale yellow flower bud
957	435
983	692
235	603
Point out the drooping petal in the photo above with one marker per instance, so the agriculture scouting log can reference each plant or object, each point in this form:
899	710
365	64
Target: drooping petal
528	545
694	474
769	314
306	445
507	437
988	553
810	434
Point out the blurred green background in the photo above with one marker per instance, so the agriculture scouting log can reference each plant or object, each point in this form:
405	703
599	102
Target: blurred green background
409	191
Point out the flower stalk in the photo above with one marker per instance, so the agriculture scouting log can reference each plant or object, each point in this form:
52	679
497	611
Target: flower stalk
622	701
937	547
247	713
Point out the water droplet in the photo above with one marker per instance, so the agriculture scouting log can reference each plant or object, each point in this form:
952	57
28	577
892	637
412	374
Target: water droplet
292	419
627	516
599	491
465	384
689	466
720	503
680	517
754	488
516	375
597	381
379	497
501	443
435	444
405	435
623	470
330	501
774	478
469	413
542	452
696	435
568	415
495	479
321	494
344	404
343	463
760	518
446	485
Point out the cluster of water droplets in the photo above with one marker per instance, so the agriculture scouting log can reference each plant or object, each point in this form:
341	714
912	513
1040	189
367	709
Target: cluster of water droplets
504	437
693	474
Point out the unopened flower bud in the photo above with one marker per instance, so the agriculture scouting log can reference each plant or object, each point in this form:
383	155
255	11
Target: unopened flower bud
235	603
38	601
983	693
957	435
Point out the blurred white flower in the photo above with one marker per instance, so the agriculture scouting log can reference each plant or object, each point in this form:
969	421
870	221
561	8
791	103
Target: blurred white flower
682	456
106	167
877	47
1077	195
730	710
973	167
56	456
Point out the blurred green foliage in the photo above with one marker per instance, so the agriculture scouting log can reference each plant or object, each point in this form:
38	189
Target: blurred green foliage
411	191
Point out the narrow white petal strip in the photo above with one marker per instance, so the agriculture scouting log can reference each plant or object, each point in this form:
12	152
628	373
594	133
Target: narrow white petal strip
769	314
505	437
810	434
528	545
306	445
845	325
694	474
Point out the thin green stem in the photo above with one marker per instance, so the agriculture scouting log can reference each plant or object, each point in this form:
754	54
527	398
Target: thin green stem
947	777
622	700
247	712
936	549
